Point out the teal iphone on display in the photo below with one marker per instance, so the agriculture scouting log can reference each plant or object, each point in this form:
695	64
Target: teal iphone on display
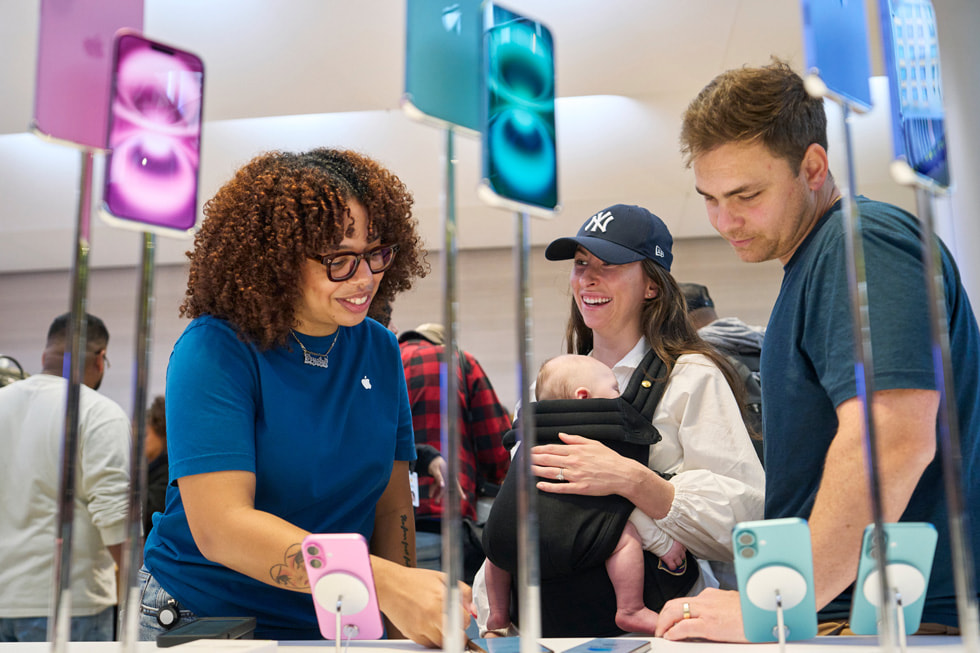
520	160
909	550
774	568
443	46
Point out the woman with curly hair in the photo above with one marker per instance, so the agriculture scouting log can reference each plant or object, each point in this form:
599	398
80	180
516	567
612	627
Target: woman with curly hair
287	410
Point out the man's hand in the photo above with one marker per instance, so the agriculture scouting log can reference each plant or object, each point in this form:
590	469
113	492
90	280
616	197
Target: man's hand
439	471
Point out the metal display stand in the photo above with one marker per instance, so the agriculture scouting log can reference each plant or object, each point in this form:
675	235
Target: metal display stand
528	571
863	355
949	434
132	551
449	432
453	114
59	621
864	377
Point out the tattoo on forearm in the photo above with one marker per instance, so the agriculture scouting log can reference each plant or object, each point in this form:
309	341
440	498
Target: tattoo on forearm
291	572
405	551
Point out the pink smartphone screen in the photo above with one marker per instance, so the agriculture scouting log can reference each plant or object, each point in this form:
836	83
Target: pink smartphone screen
74	62
155	134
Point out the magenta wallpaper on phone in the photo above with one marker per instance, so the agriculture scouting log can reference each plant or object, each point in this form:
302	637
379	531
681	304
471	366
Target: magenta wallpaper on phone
154	134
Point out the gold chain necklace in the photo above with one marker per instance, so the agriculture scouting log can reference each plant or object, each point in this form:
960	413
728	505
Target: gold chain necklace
313	358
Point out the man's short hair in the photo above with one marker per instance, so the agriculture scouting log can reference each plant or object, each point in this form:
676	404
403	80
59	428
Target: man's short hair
768	104
96	334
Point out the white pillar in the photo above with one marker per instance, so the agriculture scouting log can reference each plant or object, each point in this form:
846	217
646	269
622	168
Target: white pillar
958	218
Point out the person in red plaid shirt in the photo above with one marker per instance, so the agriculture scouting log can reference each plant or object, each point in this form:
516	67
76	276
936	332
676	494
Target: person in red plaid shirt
483	421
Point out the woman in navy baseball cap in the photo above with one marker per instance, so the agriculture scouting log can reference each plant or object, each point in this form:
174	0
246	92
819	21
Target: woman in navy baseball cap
624	303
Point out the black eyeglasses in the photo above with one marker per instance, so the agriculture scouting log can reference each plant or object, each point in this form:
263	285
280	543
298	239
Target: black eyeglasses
341	266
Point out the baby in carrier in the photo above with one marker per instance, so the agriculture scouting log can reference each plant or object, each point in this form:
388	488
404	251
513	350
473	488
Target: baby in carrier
577	532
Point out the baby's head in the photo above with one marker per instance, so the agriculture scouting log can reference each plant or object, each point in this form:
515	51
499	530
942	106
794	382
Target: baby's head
573	376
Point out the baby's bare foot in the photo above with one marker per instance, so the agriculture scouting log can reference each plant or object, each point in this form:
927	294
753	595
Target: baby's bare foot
637	621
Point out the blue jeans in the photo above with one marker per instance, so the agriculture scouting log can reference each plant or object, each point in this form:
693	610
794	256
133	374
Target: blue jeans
100	627
153	598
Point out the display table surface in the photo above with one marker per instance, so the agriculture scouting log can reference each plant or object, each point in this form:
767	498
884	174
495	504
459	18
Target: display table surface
922	644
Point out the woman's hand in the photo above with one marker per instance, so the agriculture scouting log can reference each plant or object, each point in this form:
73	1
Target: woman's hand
412	599
591	468
713	614
586	467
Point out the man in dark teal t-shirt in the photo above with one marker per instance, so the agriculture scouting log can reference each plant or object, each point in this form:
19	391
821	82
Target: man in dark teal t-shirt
758	146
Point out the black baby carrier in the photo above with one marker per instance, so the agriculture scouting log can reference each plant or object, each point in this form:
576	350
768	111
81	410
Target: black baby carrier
577	597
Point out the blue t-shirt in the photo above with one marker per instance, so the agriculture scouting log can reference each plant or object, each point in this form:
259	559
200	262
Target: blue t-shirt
320	441
808	370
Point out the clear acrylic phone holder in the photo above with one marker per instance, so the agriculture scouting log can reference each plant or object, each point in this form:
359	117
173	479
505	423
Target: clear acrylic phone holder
776	588
907	586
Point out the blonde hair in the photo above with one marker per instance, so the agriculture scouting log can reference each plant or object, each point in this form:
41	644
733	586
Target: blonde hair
561	376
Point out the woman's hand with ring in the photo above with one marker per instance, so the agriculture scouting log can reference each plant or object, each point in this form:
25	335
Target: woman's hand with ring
588	467
713	614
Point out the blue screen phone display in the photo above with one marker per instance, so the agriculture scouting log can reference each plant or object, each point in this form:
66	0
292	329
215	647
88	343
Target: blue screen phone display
835	42
912	62
520	157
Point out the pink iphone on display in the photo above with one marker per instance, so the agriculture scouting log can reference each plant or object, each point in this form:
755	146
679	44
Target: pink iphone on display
342	583
154	136
71	92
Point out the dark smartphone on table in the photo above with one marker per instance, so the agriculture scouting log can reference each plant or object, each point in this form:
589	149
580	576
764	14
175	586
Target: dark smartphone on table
154	140
500	645
208	628
611	645
520	157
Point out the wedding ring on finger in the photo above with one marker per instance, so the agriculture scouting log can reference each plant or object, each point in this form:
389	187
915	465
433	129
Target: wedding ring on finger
687	611
561	473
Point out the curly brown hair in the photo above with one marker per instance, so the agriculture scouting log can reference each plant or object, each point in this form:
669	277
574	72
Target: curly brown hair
280	209
666	327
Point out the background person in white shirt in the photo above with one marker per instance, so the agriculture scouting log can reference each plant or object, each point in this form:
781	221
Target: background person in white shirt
32	416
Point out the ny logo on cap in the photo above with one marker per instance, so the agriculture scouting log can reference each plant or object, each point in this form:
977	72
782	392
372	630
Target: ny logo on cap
599	222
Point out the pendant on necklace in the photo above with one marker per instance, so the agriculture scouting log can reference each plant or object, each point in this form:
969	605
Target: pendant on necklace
316	360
